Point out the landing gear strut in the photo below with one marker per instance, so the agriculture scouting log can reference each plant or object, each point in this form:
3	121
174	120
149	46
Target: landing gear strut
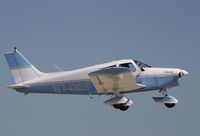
163	91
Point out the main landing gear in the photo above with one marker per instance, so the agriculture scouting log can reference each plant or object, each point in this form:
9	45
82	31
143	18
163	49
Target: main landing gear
119	102
121	106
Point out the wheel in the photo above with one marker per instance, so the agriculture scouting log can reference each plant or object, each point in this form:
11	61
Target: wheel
170	105
116	106
124	108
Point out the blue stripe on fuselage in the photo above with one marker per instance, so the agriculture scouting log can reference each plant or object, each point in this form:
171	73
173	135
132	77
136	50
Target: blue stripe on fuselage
74	87
86	87
149	82
154	83
167	81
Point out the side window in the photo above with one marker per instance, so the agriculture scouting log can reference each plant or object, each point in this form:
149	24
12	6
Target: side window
128	65
113	66
141	65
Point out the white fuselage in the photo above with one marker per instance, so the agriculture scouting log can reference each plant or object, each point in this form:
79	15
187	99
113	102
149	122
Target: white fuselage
116	78
78	82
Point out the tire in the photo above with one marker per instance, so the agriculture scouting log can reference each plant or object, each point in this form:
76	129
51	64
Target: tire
170	105
124	108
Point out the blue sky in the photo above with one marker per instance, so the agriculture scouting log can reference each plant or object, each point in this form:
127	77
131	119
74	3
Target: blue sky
74	34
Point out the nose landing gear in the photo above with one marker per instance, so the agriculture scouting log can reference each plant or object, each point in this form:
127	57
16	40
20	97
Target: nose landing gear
168	101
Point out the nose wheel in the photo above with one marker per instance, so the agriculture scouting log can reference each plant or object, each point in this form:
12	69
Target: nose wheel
170	105
168	101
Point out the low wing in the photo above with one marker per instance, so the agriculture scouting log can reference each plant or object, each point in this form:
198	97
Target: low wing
114	80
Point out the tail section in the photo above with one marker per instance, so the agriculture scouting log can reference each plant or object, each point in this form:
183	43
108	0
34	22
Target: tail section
21	69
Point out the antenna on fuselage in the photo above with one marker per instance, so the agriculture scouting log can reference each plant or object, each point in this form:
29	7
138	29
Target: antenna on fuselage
91	96
15	48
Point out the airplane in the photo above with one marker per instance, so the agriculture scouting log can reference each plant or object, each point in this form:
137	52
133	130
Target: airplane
115	79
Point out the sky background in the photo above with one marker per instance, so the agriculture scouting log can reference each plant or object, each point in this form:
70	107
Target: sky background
78	33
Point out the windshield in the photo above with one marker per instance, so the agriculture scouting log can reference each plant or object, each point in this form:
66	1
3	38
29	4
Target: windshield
141	65
128	65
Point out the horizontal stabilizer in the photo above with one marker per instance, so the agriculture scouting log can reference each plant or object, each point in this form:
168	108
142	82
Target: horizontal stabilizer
18	87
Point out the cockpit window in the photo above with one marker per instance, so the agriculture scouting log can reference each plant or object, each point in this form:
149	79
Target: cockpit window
141	65
111	66
128	65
